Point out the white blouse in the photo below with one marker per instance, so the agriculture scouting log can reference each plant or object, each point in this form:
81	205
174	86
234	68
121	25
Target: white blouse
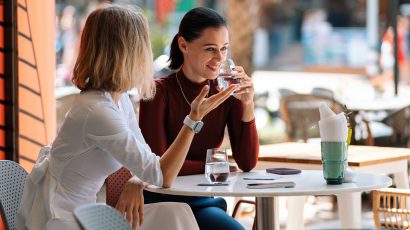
98	136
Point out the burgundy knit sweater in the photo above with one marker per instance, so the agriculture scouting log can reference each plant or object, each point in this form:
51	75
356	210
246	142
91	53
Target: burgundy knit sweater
161	120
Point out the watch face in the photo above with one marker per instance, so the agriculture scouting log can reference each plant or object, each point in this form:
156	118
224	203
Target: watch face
198	126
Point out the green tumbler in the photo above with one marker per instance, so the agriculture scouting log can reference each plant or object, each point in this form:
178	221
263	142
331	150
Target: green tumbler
334	160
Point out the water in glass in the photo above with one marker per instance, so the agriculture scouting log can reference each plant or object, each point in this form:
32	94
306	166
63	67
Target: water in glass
217	166
227	74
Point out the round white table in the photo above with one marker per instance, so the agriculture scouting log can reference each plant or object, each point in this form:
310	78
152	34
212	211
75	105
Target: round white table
309	182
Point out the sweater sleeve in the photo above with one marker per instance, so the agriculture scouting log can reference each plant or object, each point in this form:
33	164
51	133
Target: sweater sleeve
152	121
191	167
243	137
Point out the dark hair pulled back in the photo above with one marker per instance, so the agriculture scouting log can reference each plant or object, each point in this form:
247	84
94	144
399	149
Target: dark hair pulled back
190	28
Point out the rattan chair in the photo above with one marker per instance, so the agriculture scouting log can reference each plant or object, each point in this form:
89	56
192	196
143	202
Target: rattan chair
300	112
115	184
323	92
399	121
283	92
12	181
100	217
391	208
238	205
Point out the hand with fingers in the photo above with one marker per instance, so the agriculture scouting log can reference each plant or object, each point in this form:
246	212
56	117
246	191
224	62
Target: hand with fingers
246	91
201	105
131	202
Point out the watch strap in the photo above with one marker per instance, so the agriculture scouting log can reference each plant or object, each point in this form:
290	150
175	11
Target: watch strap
194	125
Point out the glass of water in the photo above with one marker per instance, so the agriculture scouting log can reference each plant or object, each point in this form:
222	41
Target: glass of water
226	74
217	166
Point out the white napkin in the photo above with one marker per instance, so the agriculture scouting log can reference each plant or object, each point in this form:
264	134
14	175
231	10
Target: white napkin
332	127
350	175
325	111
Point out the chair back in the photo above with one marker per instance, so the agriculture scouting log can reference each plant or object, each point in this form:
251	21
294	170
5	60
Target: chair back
323	92
300	112
391	208
283	92
399	121
115	184
12	180
100	217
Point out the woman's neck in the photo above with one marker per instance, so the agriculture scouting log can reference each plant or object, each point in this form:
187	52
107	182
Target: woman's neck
189	73
116	96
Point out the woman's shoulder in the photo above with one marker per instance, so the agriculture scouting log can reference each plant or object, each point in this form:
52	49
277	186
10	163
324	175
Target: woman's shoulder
91	101
90	98
166	81
165	85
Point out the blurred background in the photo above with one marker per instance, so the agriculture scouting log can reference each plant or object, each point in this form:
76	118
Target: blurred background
344	48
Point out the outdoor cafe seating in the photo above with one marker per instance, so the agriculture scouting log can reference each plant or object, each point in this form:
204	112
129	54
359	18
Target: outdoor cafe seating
115	183
301	115
12	179
399	121
100	217
391	208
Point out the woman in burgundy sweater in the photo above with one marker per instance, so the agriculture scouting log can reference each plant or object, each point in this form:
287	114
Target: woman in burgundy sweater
196	53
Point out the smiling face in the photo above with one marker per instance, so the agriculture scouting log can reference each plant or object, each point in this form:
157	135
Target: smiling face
203	56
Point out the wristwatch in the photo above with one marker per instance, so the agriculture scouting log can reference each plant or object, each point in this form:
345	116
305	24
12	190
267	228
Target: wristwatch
196	126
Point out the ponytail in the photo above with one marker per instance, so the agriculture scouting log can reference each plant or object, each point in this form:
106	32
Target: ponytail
176	57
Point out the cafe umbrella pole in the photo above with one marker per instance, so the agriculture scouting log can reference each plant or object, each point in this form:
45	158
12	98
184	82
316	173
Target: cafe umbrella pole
393	22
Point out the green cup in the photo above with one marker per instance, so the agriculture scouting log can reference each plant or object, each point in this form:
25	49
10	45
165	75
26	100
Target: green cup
334	160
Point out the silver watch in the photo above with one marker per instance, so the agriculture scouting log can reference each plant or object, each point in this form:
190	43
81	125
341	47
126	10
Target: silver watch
196	126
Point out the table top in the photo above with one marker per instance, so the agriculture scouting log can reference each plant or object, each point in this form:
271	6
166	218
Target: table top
309	153
309	182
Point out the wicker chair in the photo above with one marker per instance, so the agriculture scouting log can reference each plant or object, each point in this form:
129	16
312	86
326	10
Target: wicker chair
283	92
115	184
323	92
12	181
238	205
100	217
300	112
399	121
391	208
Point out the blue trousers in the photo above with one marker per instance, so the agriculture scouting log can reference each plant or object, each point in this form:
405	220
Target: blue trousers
210	213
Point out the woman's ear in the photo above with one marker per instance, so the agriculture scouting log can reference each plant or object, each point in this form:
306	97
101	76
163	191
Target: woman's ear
182	44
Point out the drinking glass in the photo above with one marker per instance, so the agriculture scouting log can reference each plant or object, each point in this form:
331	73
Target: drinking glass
216	166
334	160
226	74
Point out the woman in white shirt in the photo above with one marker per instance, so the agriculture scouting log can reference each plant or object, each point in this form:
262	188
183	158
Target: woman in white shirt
100	133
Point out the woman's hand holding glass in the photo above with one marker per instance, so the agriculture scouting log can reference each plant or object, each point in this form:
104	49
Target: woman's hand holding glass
246	91
229	74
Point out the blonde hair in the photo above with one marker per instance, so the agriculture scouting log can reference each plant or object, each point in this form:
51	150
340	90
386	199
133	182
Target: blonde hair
115	52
